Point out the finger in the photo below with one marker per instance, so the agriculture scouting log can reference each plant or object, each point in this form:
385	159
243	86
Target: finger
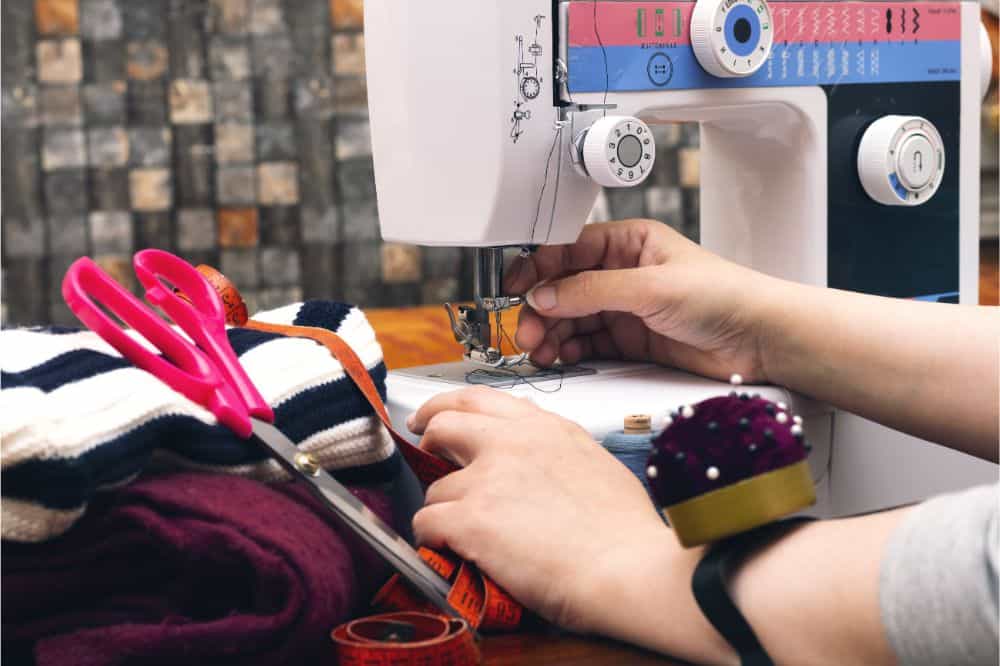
530	329
587	325
576	349
460	436
631	337
546	354
619	243
562	330
475	399
600	345
452	526
637	291
450	487
434	524
550	349
603	346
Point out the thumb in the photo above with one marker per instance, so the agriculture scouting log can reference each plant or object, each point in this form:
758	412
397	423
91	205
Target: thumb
629	290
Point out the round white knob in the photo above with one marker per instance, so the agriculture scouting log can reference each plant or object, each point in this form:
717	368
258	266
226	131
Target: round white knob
731	37
618	151
985	60
901	160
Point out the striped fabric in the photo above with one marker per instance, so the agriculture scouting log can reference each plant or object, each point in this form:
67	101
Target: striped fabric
75	417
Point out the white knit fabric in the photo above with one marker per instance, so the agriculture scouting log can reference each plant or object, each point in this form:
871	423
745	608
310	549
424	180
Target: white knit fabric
55	426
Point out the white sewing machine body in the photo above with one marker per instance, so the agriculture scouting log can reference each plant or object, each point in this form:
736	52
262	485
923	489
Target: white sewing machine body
479	112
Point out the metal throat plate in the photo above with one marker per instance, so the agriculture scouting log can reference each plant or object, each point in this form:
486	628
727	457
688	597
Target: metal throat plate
466	373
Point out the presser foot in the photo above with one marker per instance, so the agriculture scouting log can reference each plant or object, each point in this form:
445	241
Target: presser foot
492	358
471	327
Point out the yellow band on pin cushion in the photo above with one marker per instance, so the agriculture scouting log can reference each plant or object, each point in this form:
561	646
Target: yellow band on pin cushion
742	505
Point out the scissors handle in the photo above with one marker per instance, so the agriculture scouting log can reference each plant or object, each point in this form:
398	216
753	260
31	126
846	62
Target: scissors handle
200	313
183	367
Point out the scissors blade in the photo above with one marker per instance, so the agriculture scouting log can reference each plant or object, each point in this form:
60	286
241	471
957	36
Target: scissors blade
359	518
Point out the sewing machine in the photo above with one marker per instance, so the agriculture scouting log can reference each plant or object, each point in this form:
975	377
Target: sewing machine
839	146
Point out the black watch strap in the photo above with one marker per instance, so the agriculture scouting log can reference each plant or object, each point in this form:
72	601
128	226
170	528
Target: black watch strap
709	585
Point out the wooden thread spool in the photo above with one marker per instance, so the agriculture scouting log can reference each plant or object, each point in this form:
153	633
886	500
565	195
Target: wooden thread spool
638	424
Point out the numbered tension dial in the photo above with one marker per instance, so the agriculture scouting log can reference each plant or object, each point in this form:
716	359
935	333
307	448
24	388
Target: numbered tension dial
731	38
619	151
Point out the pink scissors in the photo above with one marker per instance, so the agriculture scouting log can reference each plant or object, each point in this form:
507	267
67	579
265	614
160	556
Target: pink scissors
209	373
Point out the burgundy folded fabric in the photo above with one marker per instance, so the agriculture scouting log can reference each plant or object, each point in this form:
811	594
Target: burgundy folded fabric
189	569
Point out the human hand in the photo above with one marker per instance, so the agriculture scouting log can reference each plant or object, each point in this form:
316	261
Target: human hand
554	519
539	506
638	290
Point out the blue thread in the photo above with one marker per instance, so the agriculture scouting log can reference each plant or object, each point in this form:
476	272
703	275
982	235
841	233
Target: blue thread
632	450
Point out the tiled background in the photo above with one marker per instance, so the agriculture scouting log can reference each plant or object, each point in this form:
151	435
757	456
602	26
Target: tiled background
233	132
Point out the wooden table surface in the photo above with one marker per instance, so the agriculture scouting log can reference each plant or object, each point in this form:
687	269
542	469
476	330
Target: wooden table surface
558	649
989	277
421	335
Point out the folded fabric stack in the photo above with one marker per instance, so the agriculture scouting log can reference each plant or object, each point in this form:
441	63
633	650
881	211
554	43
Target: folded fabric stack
76	417
188	568
166	565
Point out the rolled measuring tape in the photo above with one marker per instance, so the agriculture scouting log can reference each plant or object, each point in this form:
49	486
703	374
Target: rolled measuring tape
232	301
412	632
405	639
480	601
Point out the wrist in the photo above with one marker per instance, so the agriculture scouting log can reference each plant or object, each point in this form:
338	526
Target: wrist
612	582
646	599
778	313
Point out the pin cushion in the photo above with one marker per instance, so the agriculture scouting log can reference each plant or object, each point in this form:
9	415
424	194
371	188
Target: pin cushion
727	465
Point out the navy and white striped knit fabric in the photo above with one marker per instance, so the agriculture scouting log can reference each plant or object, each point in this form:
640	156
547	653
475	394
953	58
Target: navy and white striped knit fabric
75	417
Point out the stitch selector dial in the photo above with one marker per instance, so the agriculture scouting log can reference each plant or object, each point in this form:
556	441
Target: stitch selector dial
731	38
618	151
901	160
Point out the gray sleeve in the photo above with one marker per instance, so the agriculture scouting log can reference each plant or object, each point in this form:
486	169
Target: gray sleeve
938	581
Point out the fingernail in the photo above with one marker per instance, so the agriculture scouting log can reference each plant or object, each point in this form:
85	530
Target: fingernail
411	421
542	297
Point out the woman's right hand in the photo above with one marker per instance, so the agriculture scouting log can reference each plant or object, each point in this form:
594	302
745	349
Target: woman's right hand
638	290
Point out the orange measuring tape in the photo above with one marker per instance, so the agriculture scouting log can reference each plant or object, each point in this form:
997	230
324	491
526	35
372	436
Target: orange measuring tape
413	633
405	639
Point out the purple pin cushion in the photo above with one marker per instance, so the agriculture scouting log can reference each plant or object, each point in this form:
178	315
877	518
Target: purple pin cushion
727	465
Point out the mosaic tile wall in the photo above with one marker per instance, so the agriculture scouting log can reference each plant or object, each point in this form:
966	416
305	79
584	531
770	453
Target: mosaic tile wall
233	132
